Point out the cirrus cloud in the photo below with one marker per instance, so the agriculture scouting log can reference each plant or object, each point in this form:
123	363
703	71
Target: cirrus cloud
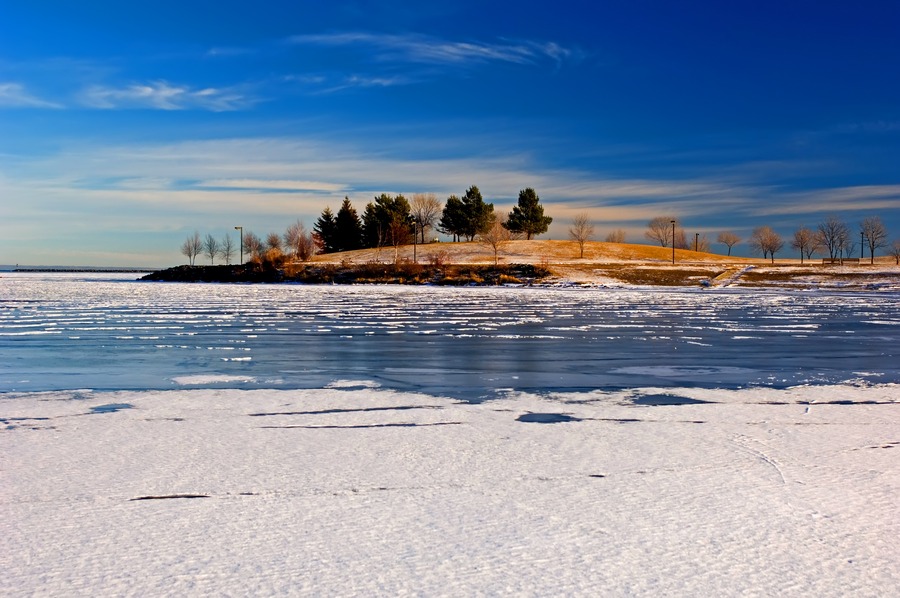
417	48
162	95
14	95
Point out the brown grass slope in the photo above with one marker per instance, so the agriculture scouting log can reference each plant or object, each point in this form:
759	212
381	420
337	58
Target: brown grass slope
622	263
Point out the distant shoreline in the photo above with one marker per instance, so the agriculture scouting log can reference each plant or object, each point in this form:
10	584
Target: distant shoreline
79	269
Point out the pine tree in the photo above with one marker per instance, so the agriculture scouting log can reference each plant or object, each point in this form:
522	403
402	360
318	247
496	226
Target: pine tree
387	221
452	218
348	228
326	232
477	215
528	217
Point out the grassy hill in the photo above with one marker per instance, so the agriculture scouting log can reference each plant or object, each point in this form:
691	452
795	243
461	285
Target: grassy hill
621	263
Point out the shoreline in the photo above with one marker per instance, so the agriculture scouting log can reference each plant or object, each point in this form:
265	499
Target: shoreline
696	275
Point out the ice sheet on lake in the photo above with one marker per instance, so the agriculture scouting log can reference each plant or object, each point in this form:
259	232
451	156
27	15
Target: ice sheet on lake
475	342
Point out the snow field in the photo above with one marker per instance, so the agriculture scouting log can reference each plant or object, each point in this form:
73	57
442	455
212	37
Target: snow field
356	490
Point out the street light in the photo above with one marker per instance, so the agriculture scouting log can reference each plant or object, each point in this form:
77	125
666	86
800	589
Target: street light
673	242
241	228
415	222
862	245
696	241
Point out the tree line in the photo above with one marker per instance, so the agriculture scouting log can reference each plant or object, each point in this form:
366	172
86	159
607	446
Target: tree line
388	221
832	236
394	220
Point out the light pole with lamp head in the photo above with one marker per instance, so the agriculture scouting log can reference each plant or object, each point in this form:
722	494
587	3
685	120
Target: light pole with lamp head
415	222
673	242
241	228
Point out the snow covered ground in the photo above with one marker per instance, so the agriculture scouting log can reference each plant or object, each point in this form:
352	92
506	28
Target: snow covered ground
164	439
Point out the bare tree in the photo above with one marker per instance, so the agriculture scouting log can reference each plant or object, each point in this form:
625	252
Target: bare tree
701	243
274	248
273	241
806	242
299	242
728	239
616	236
848	245
894	251
766	241
425	208
581	231
496	237
399	232
253	246
834	235
192	247
226	249
211	248
681	241
660	230
875	235
292	235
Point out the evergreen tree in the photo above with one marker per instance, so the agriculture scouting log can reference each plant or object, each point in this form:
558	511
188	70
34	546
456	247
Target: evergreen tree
348	228
387	221
476	214
326	232
372	234
452	218
528	217
399	221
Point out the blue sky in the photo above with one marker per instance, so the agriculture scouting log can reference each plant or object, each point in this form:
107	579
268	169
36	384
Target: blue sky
125	126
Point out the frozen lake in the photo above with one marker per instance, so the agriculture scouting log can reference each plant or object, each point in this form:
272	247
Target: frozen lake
207	440
64	331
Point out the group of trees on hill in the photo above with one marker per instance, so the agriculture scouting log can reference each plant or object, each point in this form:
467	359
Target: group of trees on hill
832	236
394	220
667	231
388	221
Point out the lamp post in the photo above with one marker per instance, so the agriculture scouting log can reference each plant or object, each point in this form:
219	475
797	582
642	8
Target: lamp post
241	228
862	245
415	237
696	241
673	242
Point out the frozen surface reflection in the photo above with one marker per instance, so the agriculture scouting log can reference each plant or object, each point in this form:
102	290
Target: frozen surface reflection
68	332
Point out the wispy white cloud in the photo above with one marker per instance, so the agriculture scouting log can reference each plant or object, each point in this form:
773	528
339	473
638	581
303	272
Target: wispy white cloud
14	95
228	52
878	126
857	199
320	84
273	185
161	95
359	81
430	50
310	174
262	183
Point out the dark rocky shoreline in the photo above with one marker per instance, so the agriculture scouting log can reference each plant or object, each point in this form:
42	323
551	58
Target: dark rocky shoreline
370	273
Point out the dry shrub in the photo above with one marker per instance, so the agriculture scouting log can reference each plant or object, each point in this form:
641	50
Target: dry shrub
439	259
544	263
507	279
